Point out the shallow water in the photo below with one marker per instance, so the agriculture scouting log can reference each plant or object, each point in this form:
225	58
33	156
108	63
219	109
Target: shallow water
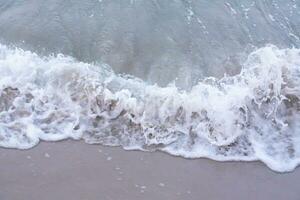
158	41
198	78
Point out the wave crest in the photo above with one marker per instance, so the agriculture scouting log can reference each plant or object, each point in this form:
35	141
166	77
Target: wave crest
254	115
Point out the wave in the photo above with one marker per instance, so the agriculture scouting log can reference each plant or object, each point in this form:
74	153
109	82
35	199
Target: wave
254	115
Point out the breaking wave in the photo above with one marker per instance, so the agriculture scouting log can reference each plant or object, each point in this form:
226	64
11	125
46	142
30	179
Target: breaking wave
254	115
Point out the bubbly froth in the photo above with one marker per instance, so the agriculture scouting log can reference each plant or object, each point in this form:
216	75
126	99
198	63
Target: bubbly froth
254	115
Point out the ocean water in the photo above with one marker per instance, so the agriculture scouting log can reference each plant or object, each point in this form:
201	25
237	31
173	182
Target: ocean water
219	80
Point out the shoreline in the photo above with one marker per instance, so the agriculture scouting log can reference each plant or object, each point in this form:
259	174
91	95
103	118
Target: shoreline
75	170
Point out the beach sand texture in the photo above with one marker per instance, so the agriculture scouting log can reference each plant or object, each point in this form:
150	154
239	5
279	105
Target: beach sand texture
74	170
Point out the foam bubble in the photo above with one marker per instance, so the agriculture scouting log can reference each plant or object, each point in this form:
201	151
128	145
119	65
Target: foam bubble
254	115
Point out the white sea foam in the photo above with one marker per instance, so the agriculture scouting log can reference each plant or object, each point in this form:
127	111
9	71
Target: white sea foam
254	115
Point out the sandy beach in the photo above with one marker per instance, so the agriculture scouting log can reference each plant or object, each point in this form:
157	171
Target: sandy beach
74	170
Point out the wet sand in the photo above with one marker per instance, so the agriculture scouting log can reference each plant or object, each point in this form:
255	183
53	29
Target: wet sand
74	170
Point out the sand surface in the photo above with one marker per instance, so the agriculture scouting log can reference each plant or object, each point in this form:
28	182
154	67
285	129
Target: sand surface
77	171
